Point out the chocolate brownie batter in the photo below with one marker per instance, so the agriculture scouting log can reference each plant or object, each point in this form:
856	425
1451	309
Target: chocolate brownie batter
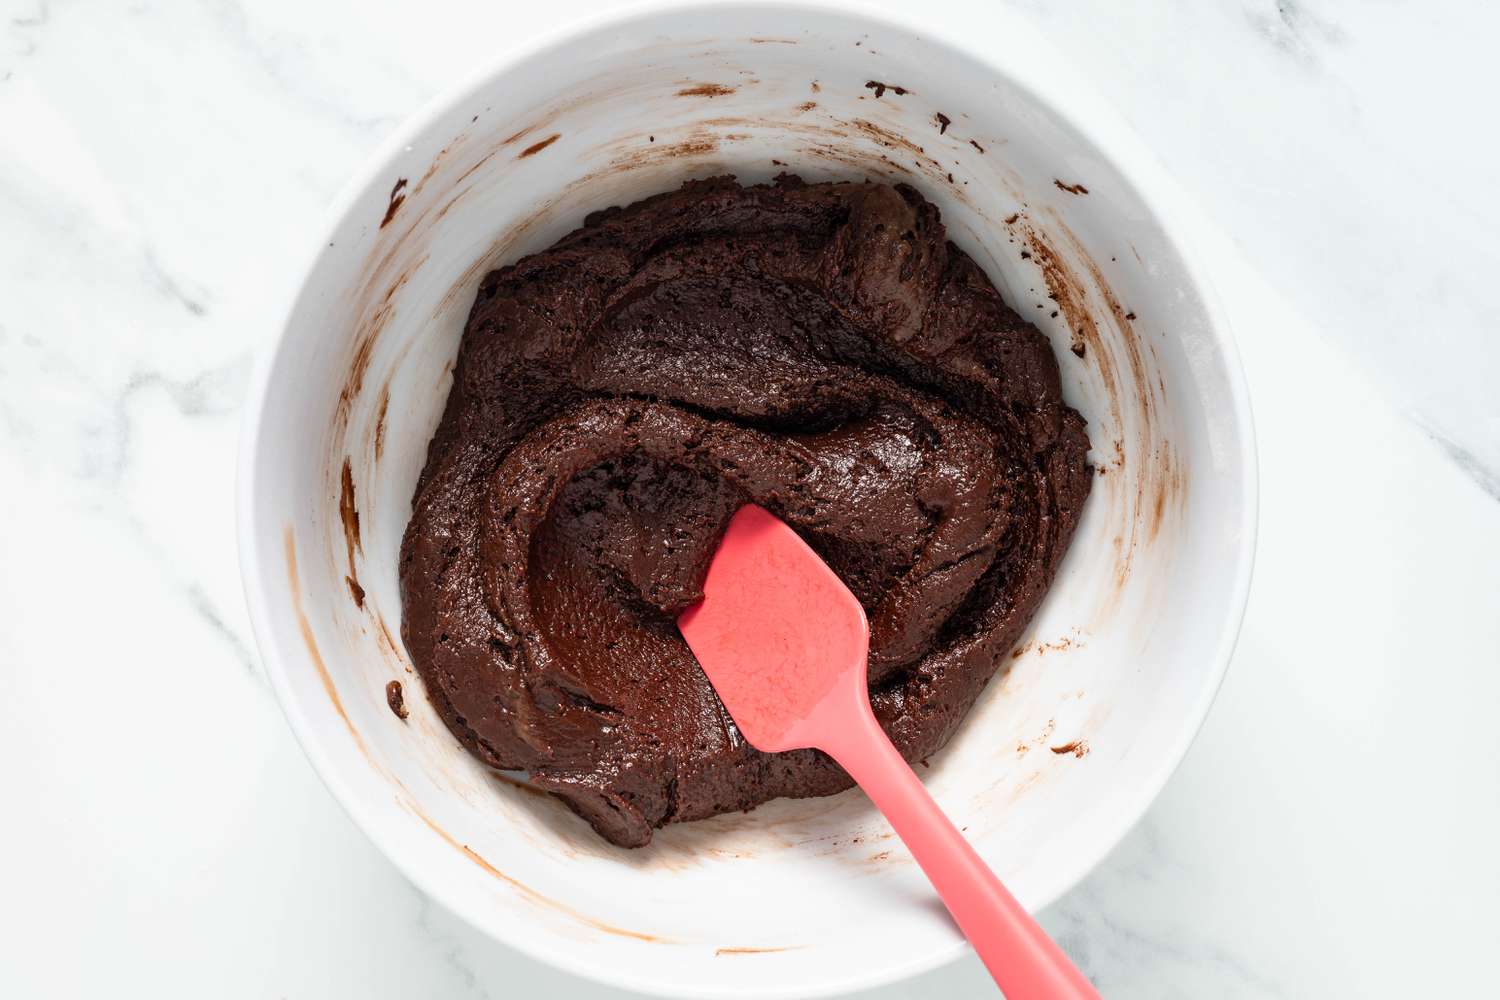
819	349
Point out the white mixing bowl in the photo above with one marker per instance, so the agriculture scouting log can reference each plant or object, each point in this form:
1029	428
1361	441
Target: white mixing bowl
1063	752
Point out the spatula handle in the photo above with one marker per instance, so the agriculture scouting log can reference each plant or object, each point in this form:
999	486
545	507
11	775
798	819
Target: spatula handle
1024	961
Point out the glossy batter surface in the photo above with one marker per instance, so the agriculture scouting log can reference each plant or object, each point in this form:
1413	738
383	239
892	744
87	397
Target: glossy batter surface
819	349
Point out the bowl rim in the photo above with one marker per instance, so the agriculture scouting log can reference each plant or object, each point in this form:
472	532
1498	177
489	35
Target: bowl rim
1081	108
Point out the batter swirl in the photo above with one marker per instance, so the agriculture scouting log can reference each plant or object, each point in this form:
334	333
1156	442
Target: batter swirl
818	349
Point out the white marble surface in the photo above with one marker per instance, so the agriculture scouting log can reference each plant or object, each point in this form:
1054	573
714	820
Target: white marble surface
162	165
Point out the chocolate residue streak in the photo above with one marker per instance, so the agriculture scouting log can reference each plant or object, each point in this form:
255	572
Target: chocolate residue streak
943	121
465	175
1010	220
294	584
385	404
806	106
840	153
437	161
816	89
447	206
1078	748
385	636
894	140
1070	188
1070	292
396	700
1172	486
706	90
1071	297
537	147
886	137
699	144
463	288
881	88
1060	646
397	197
1160	479
976	146
364	348
1026	784
751	951
395	249
532	895
370	330
349	514
514	137
773	41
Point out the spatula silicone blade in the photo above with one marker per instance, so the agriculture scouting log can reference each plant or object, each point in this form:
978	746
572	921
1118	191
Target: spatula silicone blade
784	644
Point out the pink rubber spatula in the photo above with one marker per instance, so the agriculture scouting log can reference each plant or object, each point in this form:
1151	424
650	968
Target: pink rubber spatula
784	643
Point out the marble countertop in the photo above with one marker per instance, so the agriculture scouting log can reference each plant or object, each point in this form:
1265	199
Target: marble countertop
1332	832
